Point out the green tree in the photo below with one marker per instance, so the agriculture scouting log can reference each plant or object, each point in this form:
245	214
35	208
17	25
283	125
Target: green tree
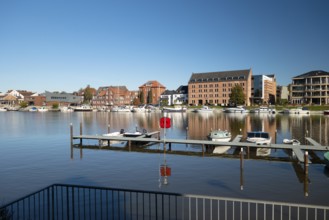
237	96
55	105
23	104
141	97
88	94
149	97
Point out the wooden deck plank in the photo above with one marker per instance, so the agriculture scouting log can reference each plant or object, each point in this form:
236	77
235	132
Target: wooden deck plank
299	154
237	138
312	141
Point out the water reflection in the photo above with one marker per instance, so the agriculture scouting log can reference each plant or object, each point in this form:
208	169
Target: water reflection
37	145
197	126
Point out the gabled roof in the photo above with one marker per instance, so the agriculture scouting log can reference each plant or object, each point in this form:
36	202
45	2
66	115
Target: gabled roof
102	93
182	90
9	98
313	73
169	92
153	84
220	76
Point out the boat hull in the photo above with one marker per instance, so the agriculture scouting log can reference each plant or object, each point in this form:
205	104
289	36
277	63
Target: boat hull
220	136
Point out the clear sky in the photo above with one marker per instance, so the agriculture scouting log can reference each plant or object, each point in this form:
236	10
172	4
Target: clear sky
64	45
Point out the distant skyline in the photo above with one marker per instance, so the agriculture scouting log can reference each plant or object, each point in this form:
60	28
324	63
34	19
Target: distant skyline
61	45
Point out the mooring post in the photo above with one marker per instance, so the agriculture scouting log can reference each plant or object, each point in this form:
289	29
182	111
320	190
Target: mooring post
129	145
80	134
306	162
241	168
306	185
108	131
71	134
241	158
202	149
170	146
71	139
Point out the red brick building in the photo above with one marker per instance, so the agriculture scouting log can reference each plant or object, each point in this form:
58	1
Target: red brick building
150	92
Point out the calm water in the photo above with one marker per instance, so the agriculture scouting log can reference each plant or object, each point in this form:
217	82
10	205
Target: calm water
35	152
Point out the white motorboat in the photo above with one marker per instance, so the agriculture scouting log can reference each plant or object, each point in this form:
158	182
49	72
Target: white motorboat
112	134
33	109
291	141
220	136
42	109
66	109
204	109
297	111
263	109
259	137
174	109
2	109
83	108
238	109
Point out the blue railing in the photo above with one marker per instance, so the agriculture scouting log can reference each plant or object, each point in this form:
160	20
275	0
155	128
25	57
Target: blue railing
60	201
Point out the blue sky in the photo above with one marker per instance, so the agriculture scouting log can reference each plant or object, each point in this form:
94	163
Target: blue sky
64	45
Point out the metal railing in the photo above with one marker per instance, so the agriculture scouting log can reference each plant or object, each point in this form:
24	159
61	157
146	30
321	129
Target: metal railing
61	201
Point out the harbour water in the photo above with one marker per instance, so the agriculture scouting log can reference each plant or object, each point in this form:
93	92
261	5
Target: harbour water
35	152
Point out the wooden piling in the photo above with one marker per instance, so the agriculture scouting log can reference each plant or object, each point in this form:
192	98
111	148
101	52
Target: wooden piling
306	185
71	134
80	134
186	133
71	139
241	168
170	146
306	162
202	149
241	158
108	131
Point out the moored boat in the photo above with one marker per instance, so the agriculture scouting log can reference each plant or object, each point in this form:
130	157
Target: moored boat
259	137
33	109
263	109
291	141
42	109
326	112
2	109
220	136
238	109
174	109
297	111
204	109
112	134
83	108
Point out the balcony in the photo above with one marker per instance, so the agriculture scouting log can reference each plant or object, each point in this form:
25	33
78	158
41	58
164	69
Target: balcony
61	201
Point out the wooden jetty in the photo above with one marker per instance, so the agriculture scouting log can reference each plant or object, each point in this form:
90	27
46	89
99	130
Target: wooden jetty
236	142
